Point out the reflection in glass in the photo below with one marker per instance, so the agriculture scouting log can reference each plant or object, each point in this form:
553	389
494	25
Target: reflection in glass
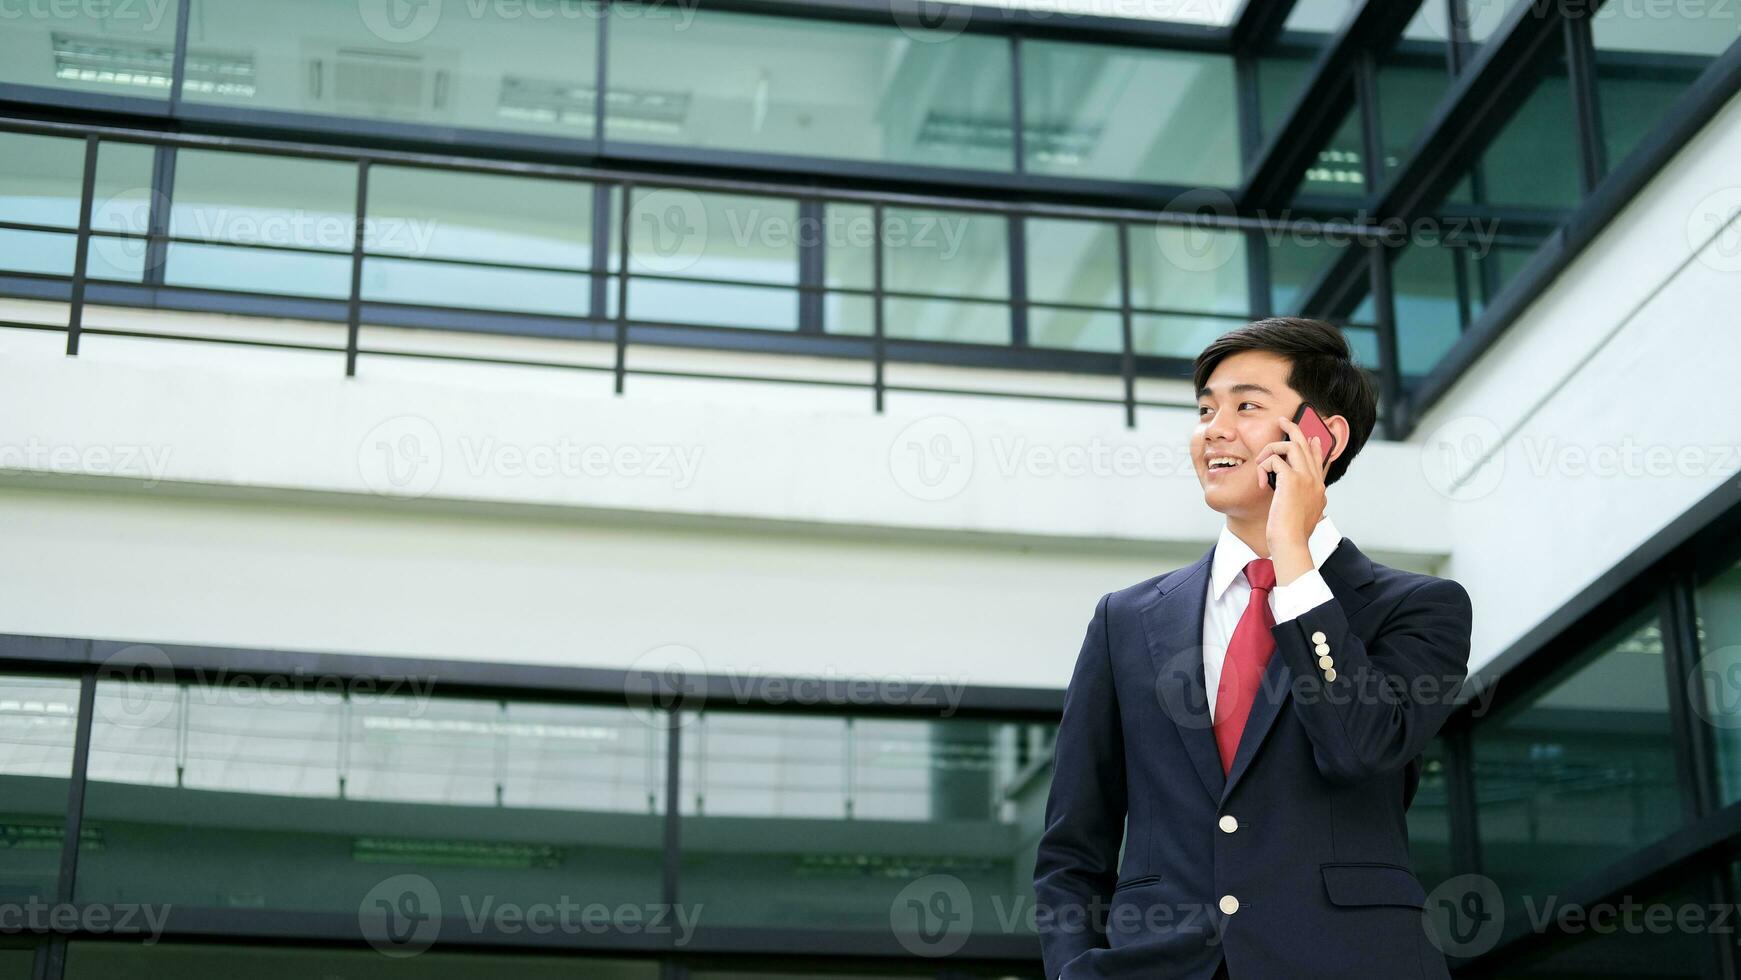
1644	64
1412	76
327	795
37	720
817	822
526	68
715	259
1582	772
123	49
728	81
41	183
1129	114
1718	706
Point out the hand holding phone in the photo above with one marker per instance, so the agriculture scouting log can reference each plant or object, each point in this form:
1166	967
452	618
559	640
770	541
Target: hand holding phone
1313	426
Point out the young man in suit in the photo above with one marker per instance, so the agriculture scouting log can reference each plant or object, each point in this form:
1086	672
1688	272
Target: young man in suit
1249	727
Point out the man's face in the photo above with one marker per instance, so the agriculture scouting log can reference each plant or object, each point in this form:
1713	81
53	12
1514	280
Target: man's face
1238	413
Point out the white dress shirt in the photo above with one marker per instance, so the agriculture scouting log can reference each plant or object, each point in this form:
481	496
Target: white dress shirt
1229	593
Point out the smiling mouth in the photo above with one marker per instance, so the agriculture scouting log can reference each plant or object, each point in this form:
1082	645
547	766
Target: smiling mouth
1223	464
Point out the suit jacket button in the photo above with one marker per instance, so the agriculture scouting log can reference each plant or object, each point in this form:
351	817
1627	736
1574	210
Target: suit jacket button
1228	824
1321	649
1330	674
1318	636
1229	904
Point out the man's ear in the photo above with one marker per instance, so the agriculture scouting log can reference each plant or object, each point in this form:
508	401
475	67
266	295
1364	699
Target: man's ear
1338	427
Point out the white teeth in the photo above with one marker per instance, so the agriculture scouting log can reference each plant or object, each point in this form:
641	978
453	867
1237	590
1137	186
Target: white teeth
1223	463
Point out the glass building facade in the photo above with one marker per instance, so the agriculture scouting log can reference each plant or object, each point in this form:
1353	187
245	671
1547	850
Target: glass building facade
991	188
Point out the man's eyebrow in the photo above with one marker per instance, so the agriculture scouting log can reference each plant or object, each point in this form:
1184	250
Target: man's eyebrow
1239	389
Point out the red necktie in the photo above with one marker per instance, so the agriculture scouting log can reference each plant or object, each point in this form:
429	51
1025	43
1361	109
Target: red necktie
1248	654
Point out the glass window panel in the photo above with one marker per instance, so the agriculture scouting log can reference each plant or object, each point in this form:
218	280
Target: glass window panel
676	235
1089	330
1297	257
38	716
1412	76
44	179
1129	114
417	211
1638	936
1718	603
43	253
1073	261
125	49
1485	17
258	271
1644	63
526	68
1340	169
708	78
712	304
1285	65
825	823
1182	267
446	284
1582	771
1533	162
187	961
946	253
1177	336
254	796
253	199
1429	304
848	314
964	322
849	248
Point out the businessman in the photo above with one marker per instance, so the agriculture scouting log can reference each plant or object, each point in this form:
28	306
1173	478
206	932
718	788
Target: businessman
1242	736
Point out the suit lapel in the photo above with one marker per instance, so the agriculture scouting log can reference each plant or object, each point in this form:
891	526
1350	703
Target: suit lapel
1173	625
1345	571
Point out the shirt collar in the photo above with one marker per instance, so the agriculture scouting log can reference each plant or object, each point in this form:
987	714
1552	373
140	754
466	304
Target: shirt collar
1232	554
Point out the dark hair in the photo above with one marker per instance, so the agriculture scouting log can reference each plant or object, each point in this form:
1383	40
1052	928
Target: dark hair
1322	371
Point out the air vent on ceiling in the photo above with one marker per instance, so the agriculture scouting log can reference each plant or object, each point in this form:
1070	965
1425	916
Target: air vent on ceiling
370	81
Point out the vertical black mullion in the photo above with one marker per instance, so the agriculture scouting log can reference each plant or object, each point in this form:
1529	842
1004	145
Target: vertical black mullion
1018	139
622	325
601	76
1460	795
1695	751
879	342
157	219
75	323
354	311
1017	229
812	256
178	69
1371	121
54	963
599	301
1460	259
1695	770
1462	45
1250	105
1127	356
1586	109
1259	296
1389	374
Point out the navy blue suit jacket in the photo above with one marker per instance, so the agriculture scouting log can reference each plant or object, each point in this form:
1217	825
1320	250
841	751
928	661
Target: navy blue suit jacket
1304	840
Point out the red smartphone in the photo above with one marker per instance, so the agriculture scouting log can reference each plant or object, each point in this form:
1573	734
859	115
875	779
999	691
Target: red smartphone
1310	424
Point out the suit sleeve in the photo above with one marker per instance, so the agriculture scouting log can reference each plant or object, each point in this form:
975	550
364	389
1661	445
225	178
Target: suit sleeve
1387	698
1077	862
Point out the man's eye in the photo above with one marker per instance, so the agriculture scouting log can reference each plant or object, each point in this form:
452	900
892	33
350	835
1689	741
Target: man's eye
1201	410
1245	405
